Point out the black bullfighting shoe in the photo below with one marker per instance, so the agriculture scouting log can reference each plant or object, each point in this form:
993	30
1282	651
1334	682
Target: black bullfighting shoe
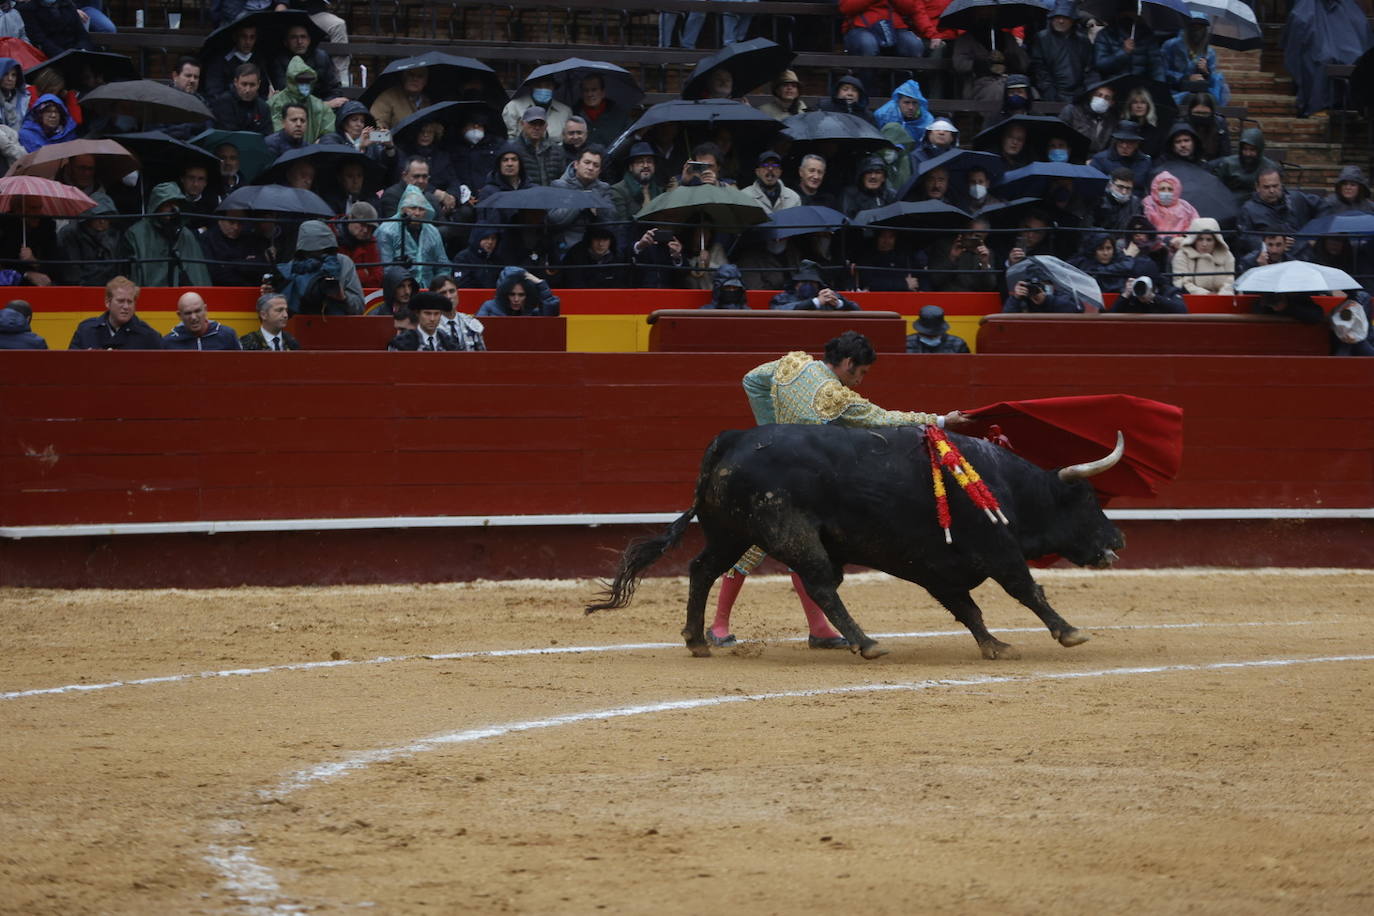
827	642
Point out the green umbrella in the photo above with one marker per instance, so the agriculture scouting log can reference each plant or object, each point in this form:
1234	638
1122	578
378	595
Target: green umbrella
253	153
721	206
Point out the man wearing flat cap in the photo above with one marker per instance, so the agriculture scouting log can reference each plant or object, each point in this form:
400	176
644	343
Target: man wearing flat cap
542	155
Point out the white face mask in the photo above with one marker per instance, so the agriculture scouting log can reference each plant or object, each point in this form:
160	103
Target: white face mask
1099	104
1166	197
1119	196
978	191
474	136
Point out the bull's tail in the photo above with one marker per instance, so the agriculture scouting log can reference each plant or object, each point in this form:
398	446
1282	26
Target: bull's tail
645	552
638	557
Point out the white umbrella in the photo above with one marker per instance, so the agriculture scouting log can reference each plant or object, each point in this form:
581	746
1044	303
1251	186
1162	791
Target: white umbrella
1294	277
1233	23
1064	276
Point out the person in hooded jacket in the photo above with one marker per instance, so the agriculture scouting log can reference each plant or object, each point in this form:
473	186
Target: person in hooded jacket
14	94
594	263
1060	55
1214	137
870	189
728	290
806	291
90	247
411	238
1203	265
1167	210
1349	195
398	287
1093	114
54	26
159	249
319	280
849	97
1240	170
15	330
300	79
908	109
357	239
519	292
479	265
48	121
1182	145
353	127
1101	259
1190	63
297	42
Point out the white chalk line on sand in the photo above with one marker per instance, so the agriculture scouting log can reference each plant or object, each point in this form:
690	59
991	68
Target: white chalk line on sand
255	886
565	650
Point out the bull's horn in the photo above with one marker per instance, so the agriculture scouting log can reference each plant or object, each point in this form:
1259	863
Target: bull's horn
1093	468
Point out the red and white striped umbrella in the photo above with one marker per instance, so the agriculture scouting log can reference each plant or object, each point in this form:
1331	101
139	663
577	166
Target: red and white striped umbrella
32	196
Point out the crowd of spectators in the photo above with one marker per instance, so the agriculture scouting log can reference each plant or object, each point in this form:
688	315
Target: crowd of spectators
416	212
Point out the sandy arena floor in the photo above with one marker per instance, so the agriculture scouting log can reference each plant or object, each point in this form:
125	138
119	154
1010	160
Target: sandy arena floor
1209	751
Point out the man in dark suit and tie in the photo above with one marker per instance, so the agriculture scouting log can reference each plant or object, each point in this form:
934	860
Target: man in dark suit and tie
271	335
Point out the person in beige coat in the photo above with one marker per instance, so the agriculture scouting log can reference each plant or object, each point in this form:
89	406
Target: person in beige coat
1203	265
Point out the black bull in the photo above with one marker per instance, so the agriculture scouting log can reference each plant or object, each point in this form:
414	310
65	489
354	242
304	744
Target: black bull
818	497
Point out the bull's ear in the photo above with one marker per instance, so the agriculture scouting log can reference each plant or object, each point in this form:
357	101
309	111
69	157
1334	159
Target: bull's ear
1093	468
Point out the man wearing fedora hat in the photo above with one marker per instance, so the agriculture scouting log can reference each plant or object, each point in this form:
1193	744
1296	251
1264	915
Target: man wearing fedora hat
932	334
1125	153
807	291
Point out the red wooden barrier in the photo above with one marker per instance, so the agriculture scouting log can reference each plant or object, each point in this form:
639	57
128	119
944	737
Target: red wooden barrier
1222	335
716	331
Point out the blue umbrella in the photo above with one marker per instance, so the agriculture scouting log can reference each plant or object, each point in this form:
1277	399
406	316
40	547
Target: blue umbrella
1033	180
957	162
802	220
1351	222
276	197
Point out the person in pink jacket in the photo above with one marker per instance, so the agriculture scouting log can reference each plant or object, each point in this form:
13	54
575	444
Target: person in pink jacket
1167	211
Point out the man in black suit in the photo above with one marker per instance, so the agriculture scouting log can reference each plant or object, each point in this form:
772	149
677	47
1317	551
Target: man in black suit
271	335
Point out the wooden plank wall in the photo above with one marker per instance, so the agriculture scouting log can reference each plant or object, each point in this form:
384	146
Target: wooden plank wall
109	437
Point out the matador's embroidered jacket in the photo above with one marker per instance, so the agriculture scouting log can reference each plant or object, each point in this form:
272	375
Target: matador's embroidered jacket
799	389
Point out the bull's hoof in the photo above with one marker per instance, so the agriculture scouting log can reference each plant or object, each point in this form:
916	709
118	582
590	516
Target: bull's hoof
995	649
1072	637
699	649
872	650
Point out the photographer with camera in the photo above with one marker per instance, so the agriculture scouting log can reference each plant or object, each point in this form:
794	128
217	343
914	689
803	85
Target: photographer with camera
318	280
658	257
1149	294
1037	294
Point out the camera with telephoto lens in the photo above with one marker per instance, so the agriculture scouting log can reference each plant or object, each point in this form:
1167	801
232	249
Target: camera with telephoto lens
1142	287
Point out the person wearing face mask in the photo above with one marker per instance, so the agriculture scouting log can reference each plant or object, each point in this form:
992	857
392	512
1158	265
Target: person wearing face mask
1119	204
1016	95
979	192
473	152
536	94
806	291
1213	137
1057	149
932	334
1093	114
1060	56
727	289
159	250
319	117
1167	211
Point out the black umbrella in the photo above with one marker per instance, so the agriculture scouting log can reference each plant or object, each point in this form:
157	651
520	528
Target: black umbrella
1006	14
75	66
752	63
449	114
932	215
1204	191
747	124
567	75
277	198
545	198
1039	131
957	162
271	26
451	78
1362	82
162	157
783	224
326	160
1034	179
148	101
1162	16
1010	214
851	132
